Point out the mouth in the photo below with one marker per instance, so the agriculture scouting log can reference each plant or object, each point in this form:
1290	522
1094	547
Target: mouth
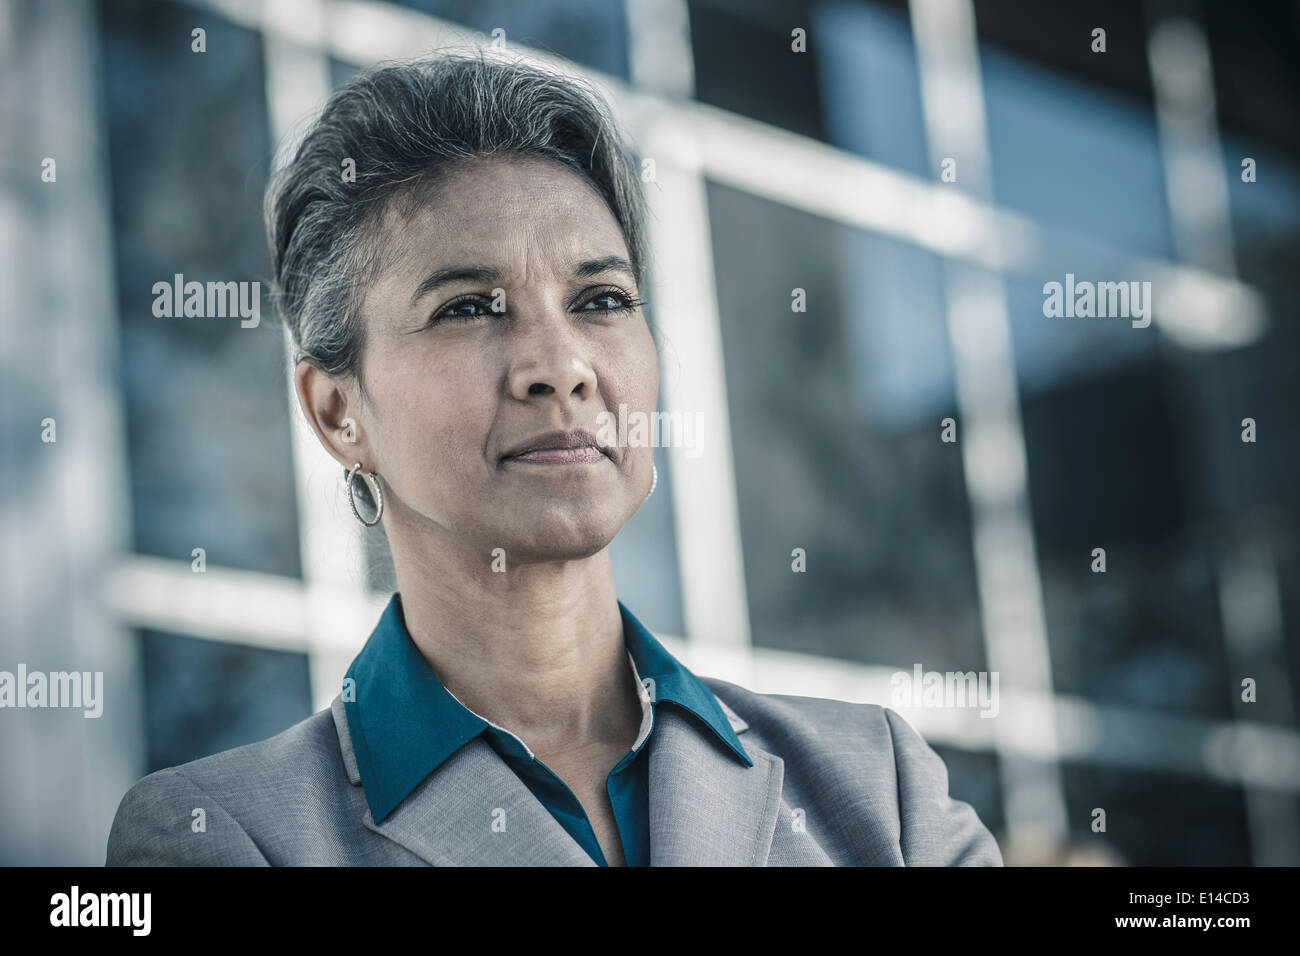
575	446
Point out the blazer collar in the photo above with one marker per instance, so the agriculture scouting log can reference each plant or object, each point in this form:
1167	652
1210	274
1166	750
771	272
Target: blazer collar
706	809
393	690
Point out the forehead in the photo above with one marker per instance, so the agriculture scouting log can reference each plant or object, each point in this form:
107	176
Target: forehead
502	212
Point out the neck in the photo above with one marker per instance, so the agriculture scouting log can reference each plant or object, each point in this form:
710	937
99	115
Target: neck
538	649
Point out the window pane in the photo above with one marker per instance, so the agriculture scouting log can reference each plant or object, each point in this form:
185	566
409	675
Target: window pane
203	697
1157	819
206	397
870	88
973	777
729	37
835	421
590	32
1074	157
644	556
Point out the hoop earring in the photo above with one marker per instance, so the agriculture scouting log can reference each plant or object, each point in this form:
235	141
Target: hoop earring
654	480
372	482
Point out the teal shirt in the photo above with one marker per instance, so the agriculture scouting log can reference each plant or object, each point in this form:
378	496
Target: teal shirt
396	690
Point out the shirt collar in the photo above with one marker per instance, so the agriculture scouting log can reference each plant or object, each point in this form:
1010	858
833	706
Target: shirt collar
394	690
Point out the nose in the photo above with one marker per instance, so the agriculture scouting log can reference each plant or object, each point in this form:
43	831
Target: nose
550	359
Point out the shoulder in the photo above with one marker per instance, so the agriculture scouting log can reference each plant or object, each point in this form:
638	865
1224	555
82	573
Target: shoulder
215	810
777	717
865	735
867	753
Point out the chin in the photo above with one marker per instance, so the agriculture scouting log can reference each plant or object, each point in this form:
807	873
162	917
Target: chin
559	533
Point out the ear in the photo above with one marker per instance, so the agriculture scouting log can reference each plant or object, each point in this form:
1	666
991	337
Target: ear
331	406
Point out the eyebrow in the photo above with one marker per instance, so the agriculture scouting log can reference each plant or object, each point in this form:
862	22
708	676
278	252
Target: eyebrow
583	270
453	274
594	267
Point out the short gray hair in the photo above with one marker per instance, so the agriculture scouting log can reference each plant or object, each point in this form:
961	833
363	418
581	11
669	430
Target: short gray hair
404	125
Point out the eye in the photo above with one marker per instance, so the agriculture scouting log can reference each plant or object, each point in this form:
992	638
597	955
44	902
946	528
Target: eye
464	309
611	300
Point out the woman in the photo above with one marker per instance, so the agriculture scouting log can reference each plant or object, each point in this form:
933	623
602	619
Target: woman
459	247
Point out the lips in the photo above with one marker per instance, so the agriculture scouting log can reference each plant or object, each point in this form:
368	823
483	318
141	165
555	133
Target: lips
573	446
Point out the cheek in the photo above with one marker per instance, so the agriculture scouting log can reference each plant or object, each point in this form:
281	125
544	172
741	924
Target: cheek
636	371
440	414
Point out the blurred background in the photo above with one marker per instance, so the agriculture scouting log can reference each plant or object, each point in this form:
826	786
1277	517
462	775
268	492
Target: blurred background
185	535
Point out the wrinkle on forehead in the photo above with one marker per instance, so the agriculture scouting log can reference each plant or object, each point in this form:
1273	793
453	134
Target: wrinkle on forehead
510	208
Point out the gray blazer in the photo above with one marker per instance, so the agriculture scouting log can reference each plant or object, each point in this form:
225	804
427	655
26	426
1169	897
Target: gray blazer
833	784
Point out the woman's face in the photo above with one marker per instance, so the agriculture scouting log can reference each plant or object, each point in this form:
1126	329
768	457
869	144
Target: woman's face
505	309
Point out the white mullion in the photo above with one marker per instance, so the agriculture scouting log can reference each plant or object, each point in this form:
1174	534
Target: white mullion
991	437
332	547
261	610
706	515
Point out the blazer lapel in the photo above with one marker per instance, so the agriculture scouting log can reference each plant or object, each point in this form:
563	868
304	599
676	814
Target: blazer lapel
706	808
474	811
471	811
